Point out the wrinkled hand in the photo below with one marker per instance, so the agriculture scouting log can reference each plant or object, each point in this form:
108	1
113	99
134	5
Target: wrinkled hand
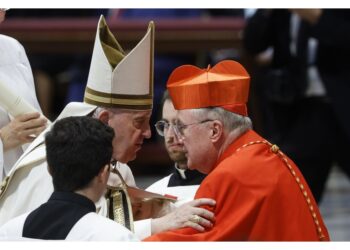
183	217
23	129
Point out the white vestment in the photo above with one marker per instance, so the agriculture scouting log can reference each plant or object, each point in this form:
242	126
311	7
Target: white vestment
91	227
16	73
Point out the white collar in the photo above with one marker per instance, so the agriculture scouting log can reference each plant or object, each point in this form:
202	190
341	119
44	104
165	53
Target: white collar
181	172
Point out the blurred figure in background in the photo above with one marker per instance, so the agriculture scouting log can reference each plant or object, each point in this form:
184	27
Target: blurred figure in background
305	87
54	73
16	132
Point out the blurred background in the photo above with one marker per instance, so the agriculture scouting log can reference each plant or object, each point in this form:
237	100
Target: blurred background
59	44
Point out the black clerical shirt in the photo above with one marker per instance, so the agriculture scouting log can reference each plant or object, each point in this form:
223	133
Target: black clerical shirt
190	177
54	219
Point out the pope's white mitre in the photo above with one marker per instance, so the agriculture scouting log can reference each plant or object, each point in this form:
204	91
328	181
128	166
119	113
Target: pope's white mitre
118	80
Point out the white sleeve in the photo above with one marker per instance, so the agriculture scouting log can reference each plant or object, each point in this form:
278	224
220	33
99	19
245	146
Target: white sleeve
12	230
143	228
93	227
28	77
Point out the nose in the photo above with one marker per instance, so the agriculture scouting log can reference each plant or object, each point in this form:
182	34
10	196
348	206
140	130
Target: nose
169	132
180	139
147	132
177	135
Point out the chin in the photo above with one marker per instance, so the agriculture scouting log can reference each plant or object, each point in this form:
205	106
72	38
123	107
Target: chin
177	156
122	159
192	166
126	157
130	157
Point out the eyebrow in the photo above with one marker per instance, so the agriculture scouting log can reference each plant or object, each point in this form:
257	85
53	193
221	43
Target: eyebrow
142	116
140	119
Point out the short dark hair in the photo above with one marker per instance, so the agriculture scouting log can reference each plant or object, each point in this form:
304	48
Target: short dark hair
77	148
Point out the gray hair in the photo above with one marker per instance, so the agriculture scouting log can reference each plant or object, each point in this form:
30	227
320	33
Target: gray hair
231	121
97	111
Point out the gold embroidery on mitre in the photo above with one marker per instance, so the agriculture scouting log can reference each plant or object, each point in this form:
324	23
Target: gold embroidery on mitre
118	101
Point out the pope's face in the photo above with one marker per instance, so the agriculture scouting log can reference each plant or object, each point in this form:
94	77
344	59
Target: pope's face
130	128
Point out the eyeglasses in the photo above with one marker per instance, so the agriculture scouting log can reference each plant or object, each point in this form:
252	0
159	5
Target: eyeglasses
180	128
162	126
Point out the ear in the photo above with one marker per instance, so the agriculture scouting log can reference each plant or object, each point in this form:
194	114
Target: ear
103	116
103	175
217	130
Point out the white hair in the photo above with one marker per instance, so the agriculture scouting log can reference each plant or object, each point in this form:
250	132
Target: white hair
231	121
97	112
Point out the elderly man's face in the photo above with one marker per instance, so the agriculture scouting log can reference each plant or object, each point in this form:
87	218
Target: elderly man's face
172	144
131	128
195	136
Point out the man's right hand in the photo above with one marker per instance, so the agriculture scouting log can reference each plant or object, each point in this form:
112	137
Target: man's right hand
23	129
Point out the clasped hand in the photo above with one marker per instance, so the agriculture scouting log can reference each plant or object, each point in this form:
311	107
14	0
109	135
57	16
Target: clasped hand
23	129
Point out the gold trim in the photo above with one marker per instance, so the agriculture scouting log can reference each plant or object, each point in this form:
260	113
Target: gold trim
110	105
6	182
275	149
117	96
122	188
111	48
117	101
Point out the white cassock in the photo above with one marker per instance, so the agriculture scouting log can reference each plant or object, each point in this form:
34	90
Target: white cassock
16	73
91	227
